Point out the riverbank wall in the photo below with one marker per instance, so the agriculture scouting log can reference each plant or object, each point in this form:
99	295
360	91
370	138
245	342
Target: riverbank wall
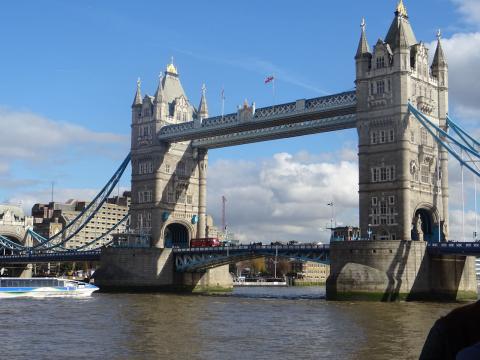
398	270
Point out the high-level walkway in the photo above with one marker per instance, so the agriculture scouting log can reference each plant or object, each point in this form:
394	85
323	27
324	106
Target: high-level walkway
248	125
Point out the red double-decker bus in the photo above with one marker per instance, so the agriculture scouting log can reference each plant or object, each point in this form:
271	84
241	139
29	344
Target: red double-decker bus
204	242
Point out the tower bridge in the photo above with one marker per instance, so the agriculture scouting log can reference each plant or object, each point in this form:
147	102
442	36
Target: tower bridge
400	111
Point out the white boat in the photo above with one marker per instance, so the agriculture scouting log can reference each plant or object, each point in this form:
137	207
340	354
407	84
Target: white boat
41	287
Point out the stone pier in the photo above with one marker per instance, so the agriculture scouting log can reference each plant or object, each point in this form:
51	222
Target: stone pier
153	269
398	270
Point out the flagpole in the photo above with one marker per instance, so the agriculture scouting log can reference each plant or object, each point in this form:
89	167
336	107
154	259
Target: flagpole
273	89
223	101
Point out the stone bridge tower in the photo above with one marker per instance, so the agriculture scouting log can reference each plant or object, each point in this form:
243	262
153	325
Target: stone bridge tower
403	173
168	180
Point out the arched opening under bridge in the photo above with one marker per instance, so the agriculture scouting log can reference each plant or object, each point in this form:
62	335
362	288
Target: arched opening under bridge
176	236
424	221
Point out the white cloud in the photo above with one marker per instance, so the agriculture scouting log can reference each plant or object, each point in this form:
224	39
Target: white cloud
470	9
31	137
284	197
463	59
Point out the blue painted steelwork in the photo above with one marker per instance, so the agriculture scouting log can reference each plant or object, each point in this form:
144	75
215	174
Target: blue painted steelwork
194	259
463	134
10	245
95	205
425	122
332	107
93	255
454	248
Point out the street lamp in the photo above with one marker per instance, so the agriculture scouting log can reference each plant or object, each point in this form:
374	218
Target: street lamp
369	232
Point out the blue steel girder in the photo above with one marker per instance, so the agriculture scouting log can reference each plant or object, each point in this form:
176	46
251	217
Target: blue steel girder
338	112
195	259
454	248
51	257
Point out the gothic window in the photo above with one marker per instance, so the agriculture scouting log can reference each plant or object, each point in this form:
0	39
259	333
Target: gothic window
393	237
380	87
383	208
374	201
383	174
178	115
167	168
380	62
148	219
391	200
383	137
423	136
412	136
389	85
391	135
425	174
145	167
371	89
181	169
383	220
189	199
374	137
140	220
185	116
170	197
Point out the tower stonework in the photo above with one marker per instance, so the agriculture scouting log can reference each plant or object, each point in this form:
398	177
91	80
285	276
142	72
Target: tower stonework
403	175
168	180
403	178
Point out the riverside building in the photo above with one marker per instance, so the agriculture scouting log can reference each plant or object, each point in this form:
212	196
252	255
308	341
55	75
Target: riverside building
49	219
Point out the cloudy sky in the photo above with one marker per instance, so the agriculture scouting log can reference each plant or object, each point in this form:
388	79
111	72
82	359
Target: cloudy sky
68	78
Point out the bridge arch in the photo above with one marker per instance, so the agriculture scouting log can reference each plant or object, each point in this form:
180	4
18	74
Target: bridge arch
177	233
428	215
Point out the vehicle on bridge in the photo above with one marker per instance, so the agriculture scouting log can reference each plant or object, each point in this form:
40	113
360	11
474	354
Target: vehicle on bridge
41	287
205	242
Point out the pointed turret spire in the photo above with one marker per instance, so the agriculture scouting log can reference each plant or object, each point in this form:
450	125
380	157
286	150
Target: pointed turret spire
401	40
401	17
439	59
138	95
363	47
401	9
203	108
159	92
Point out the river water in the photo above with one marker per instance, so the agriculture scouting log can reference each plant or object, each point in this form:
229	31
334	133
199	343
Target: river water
252	323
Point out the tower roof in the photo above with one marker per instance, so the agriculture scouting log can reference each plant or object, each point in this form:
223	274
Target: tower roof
439	57
159	92
401	17
363	47
138	95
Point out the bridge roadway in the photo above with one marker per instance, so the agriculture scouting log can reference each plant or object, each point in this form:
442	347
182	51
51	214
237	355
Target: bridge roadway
191	259
302	117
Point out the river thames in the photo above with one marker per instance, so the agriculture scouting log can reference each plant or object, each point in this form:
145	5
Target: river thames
252	323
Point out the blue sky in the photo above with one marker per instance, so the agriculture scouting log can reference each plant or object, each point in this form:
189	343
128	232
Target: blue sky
76	63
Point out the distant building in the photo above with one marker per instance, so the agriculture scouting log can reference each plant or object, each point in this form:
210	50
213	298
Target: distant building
14	223
345	233
310	272
49	219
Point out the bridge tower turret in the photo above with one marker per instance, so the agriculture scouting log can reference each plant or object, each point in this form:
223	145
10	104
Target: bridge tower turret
400	197
168	201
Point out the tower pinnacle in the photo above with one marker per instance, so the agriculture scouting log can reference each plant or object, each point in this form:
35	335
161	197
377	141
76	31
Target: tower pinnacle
138	95
363	47
203	108
401	9
439	59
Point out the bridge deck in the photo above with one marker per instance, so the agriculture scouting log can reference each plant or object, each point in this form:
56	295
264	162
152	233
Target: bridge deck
328	113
